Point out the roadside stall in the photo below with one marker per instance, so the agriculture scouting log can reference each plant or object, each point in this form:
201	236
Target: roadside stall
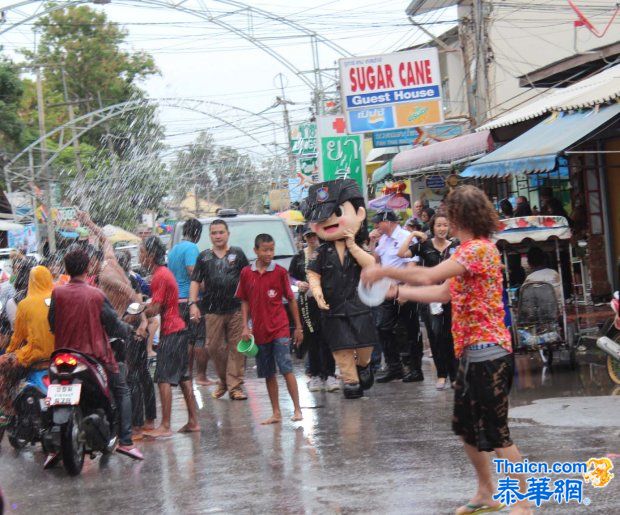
539	317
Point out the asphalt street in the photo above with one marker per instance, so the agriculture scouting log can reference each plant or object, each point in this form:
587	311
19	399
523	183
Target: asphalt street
392	452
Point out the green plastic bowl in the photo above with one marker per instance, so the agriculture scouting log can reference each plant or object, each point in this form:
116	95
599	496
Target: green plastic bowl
248	347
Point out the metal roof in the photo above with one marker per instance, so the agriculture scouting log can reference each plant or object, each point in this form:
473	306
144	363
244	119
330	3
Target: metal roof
599	89
417	7
537	149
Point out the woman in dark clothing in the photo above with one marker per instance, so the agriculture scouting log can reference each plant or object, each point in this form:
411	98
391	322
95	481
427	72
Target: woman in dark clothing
523	207
321	364
437	317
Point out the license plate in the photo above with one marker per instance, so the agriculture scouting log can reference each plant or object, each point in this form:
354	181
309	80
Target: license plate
63	394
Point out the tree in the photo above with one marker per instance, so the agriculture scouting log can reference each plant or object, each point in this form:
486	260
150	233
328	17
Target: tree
82	44
11	92
192	168
220	174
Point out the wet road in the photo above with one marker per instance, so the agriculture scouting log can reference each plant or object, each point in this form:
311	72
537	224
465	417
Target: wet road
392	452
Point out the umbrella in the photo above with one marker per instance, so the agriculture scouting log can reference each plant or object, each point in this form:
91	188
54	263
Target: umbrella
115	234
292	217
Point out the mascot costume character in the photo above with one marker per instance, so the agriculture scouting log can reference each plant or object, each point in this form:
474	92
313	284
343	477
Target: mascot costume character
336	213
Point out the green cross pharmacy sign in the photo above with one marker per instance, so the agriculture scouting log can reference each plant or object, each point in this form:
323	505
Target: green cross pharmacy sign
341	155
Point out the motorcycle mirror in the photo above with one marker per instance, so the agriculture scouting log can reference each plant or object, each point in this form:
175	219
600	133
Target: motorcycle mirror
135	308
48	302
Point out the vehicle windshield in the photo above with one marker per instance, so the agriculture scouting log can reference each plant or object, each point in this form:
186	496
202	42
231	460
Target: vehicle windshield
242	234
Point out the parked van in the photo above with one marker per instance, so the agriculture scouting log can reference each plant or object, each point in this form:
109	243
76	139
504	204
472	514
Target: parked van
243	230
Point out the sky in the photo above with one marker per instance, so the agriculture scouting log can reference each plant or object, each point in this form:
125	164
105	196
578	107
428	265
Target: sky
210	64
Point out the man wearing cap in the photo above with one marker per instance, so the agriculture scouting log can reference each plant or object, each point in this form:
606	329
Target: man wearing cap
385	242
336	213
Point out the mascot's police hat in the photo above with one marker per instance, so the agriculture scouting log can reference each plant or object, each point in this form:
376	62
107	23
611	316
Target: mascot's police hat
325	197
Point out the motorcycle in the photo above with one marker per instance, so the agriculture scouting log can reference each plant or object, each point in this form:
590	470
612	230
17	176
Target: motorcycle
82	415
609	342
25	426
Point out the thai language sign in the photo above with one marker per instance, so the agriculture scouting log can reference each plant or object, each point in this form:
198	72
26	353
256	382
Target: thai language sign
391	91
303	147
340	154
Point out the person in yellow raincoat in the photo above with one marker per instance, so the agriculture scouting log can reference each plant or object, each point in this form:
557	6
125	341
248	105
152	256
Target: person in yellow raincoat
32	339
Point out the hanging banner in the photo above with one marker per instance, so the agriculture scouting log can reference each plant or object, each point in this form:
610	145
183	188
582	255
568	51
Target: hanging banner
340	154
391	91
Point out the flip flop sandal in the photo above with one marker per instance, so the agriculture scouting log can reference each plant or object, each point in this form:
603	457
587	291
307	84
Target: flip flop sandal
480	508
237	395
219	392
51	460
132	453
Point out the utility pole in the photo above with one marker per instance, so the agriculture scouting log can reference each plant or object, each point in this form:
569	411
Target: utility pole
281	100
51	235
76	143
480	86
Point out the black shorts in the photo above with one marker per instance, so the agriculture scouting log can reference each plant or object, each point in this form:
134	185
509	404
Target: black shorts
172	359
195	330
481	403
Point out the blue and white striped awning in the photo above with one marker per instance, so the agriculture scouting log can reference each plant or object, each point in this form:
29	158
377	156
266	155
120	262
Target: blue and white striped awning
537	150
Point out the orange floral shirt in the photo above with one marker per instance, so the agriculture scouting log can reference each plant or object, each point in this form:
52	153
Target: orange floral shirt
477	305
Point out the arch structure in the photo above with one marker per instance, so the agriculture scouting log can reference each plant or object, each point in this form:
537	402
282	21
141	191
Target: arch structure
240	19
17	176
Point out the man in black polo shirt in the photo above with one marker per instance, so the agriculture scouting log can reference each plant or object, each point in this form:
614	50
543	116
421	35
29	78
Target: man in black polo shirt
217	270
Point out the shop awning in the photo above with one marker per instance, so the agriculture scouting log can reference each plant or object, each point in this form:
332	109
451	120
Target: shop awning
537	149
444	153
381	154
382	172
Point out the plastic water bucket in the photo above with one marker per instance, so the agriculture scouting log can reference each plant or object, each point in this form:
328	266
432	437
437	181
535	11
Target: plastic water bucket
248	347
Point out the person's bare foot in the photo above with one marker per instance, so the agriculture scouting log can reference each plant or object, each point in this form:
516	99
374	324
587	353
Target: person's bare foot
149	425
204	381
160	432
189	428
297	416
275	419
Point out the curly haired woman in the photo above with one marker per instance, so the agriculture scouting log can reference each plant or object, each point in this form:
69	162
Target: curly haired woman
472	280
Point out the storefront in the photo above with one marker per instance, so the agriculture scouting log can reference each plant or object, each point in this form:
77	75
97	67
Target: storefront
565	152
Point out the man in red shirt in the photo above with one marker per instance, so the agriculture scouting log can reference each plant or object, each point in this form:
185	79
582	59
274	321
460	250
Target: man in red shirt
172	352
261	289
82	318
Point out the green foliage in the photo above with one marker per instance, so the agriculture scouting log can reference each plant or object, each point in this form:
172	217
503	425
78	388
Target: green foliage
88	48
222	175
11	92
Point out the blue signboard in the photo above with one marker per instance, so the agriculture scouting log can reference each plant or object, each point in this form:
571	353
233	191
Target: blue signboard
373	119
435	182
395	138
416	136
393	97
